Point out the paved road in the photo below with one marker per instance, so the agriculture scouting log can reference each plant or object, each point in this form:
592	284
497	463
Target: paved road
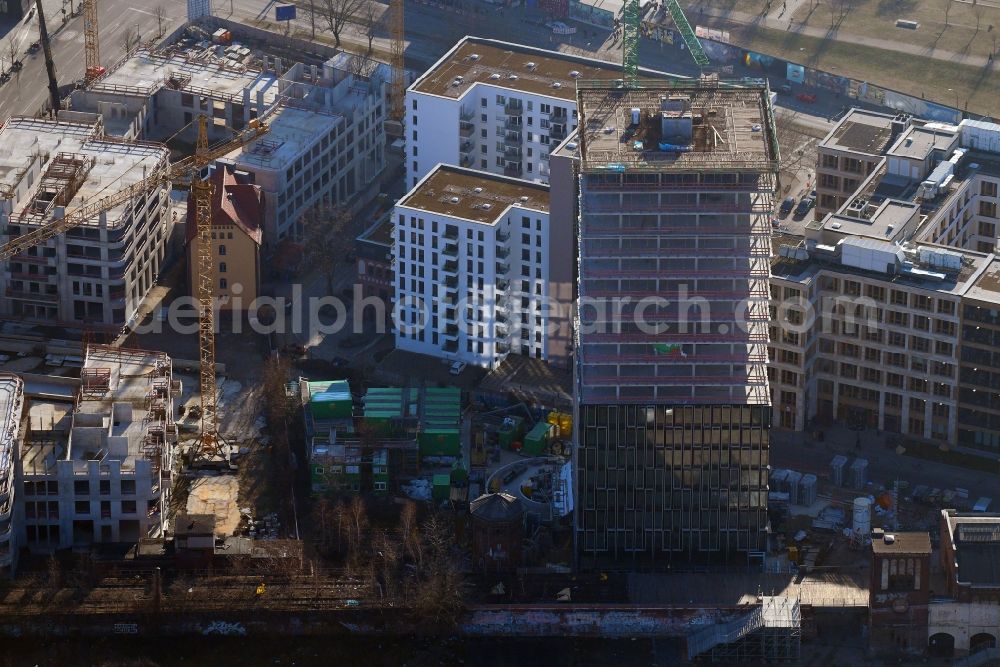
27	91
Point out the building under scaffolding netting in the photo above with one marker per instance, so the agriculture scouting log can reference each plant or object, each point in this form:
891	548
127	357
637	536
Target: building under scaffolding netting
771	632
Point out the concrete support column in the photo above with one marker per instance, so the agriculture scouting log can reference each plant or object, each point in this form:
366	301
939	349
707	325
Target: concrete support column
904	416
928	415
881	411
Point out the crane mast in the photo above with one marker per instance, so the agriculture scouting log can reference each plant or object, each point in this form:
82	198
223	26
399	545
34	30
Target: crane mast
91	44
631	19
201	193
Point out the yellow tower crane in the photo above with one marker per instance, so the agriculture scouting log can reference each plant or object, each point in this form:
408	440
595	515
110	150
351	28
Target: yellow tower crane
209	441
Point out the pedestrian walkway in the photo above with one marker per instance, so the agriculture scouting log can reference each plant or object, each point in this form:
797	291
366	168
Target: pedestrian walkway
777	18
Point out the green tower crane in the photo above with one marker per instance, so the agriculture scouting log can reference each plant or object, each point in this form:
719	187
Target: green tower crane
631	18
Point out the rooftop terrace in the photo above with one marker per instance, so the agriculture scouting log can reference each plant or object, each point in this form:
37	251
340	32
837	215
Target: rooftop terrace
474	195
511	66
728	127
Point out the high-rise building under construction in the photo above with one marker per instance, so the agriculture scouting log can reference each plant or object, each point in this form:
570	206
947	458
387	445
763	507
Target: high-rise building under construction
677	182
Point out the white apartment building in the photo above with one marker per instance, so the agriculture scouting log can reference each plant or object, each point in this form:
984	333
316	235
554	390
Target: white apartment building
495	106
11	402
97	468
473	267
98	273
325	141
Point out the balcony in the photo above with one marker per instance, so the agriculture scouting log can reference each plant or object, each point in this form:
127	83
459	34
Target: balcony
514	108
467	161
503	252
466	147
512	138
503	348
503	285
512	153
466	130
503	235
466	114
449	300
513	169
557	113
451	282
503	268
450	267
451	331
557	132
451	233
450	249
451	346
513	124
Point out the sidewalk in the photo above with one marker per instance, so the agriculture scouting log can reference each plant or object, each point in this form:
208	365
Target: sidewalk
772	22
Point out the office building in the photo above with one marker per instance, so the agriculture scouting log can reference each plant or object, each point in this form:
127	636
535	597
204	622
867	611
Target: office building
97	274
478	269
883	315
677	182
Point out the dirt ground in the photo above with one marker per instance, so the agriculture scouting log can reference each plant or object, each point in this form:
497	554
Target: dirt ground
218	496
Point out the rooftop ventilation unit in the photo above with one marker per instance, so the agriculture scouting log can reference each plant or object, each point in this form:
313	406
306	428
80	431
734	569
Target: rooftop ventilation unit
523	198
556	84
531	65
477	190
473	56
454	200
513	77
495	76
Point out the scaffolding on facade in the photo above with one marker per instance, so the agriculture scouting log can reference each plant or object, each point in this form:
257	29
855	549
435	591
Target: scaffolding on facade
772	632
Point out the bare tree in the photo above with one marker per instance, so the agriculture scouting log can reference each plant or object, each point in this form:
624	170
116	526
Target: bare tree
161	14
323	229
439	595
130	39
408	537
371	20
338	13
791	144
12	49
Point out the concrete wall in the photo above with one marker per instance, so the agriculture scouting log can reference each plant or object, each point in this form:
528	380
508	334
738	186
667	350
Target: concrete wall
437	138
963	621
562	257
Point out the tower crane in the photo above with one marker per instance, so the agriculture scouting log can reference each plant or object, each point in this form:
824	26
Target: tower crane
209	439
91	43
632	17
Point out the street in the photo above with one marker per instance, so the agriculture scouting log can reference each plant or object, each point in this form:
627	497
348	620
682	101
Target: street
26	92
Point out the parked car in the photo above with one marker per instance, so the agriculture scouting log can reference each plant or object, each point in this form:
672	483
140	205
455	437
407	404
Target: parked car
808	98
787	205
457	368
805	205
34	47
560	28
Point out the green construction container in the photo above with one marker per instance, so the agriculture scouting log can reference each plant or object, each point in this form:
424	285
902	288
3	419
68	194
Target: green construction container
439	442
330	399
537	439
441	487
511	431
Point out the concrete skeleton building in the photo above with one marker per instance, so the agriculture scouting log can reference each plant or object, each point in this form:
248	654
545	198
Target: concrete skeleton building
98	273
677	184
495	106
884	312
11	404
325	142
480	271
97	455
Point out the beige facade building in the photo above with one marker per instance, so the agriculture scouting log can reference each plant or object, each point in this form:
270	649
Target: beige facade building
884	315
237	218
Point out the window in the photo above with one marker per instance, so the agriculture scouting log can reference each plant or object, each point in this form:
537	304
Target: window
81	507
223	283
81	488
105	487
128	487
128	507
222	267
222	250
